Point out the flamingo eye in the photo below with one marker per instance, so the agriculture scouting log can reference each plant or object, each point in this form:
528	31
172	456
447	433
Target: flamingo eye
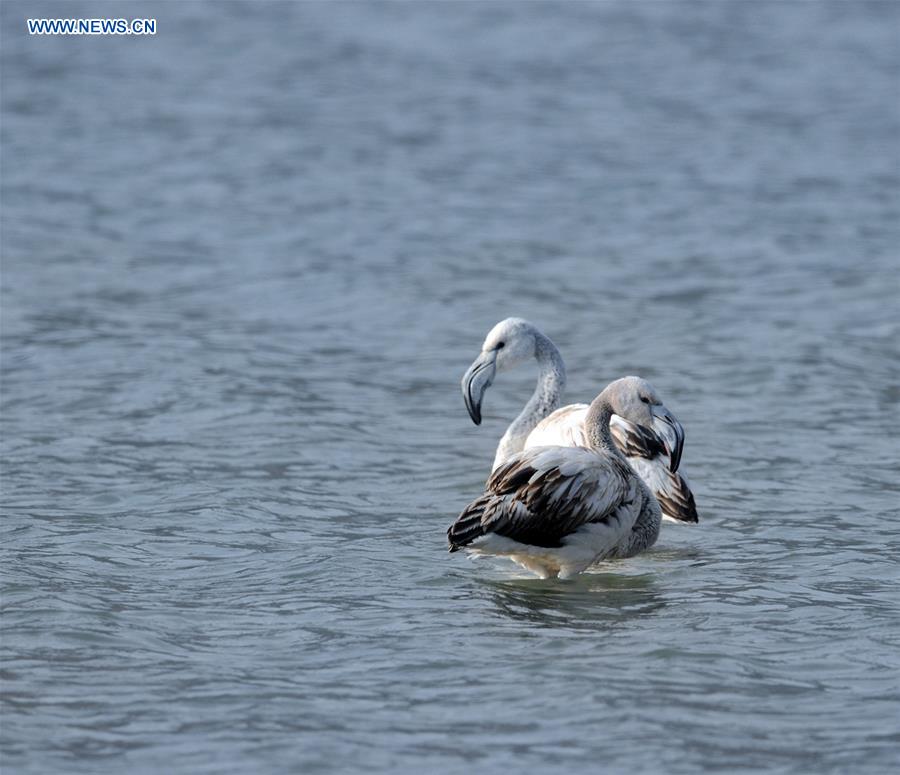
645	400
500	345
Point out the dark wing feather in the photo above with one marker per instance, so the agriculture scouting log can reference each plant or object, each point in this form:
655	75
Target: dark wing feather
542	495
646	450
637	441
676	499
468	525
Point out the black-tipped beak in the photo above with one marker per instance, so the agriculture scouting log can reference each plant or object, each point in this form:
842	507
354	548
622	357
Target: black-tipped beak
672	433
476	381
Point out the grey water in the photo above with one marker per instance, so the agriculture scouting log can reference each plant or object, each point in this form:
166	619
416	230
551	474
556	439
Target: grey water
245	263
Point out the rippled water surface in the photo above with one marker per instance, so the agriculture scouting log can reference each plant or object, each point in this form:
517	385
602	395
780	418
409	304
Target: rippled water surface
245	263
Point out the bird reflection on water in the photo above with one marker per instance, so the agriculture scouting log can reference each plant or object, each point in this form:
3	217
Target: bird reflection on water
591	601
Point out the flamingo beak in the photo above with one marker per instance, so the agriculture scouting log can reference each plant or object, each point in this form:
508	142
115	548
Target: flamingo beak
476	381
672	433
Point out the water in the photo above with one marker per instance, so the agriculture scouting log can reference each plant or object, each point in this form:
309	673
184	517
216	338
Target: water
245	263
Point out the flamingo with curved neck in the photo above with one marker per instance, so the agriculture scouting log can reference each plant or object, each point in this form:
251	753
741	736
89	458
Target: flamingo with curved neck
556	510
654	452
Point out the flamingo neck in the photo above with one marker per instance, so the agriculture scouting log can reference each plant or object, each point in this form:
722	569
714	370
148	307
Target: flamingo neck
551	383
596	426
